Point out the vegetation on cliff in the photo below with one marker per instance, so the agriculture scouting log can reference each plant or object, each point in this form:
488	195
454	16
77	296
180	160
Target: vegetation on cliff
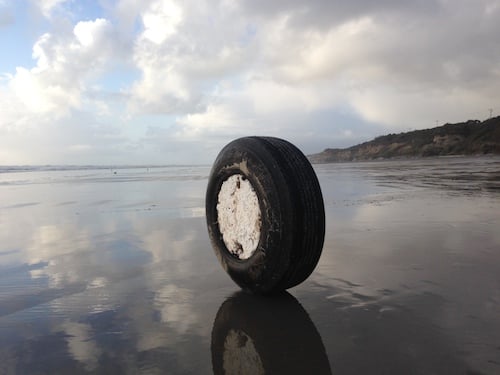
466	138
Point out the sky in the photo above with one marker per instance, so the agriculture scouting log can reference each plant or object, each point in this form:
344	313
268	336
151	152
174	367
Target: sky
171	82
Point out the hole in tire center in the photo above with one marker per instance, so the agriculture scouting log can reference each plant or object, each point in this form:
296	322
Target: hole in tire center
239	216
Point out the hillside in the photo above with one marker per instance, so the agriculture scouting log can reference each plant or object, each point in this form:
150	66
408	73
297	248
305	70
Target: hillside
467	138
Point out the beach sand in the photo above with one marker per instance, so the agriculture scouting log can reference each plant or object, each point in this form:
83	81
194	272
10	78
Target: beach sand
111	271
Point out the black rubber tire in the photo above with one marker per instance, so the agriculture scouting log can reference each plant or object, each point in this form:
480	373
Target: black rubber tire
261	335
292	213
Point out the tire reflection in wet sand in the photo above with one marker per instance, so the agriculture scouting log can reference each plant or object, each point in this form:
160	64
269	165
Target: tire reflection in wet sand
266	335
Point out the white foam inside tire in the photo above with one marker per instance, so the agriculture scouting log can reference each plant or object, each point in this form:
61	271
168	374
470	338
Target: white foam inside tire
239	216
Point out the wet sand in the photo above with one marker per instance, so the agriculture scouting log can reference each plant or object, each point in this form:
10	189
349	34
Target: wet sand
104	272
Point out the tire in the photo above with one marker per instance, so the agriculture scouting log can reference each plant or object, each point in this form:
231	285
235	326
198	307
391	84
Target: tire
261	335
265	214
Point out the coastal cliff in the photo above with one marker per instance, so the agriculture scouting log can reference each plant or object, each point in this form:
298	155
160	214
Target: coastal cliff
472	137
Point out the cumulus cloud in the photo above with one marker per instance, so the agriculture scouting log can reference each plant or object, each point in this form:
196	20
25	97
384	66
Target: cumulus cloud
161	20
182	49
63	64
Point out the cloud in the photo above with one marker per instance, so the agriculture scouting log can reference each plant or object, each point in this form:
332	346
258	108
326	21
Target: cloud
323	14
47	7
219	69
182	50
392	106
53	112
161	20
392	64
59	141
401	54
63	65
6	15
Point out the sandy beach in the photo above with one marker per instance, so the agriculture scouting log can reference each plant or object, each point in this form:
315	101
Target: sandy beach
111	271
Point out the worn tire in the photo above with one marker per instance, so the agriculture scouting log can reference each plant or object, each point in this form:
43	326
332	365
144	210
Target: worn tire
291	224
